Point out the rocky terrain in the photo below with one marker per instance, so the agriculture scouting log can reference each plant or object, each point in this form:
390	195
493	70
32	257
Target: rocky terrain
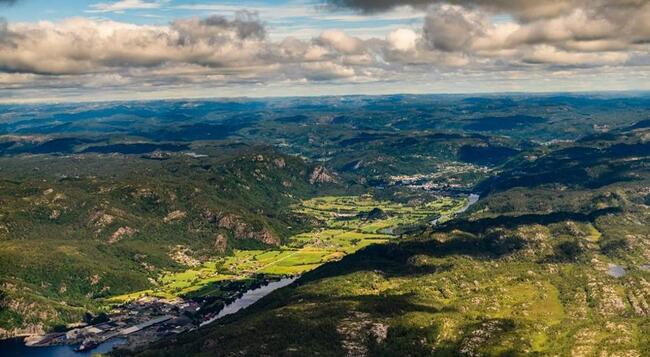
114	223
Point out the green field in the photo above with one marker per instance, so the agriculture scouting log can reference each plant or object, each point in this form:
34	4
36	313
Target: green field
343	229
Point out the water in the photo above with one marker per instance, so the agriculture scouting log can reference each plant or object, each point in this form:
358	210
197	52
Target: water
472	199
249	298
15	347
616	271
645	267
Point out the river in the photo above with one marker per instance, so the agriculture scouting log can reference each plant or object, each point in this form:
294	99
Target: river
471	200
249	298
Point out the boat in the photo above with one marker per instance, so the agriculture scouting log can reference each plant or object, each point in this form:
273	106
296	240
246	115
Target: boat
87	345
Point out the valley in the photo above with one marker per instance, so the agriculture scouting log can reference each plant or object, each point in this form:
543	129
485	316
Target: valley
386	226
346	224
185	300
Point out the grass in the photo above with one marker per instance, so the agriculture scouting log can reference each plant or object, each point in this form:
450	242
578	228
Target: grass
594	234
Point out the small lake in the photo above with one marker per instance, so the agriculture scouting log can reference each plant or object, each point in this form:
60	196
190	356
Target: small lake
15	347
249	298
616	271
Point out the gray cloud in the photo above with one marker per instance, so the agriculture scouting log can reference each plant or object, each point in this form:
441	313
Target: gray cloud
215	49
524	9
80	45
246	23
452	28
542	33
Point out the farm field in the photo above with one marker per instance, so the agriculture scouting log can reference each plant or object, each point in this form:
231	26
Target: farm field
346	225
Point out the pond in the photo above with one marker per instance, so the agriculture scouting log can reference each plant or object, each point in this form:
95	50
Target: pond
616	271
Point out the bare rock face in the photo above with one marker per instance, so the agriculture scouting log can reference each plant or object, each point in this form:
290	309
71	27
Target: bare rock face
220	243
230	221
357	329
211	217
182	255
239	228
95	279
481	336
266	237
101	219
174	216
321	175
121	233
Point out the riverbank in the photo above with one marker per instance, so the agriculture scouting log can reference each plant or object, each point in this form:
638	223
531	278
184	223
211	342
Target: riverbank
248	299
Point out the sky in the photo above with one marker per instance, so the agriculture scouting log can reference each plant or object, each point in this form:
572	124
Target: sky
76	50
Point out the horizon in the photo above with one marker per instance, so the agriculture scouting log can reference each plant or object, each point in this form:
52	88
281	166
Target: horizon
595	93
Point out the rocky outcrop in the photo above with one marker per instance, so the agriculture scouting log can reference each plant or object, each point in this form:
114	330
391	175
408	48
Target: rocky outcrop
28	330
55	214
220	243
321	175
174	216
357	330
482	335
242	230
31	312
182	255
121	233
101	219
280	163
239	228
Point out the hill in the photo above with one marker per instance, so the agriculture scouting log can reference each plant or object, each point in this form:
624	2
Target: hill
75	229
